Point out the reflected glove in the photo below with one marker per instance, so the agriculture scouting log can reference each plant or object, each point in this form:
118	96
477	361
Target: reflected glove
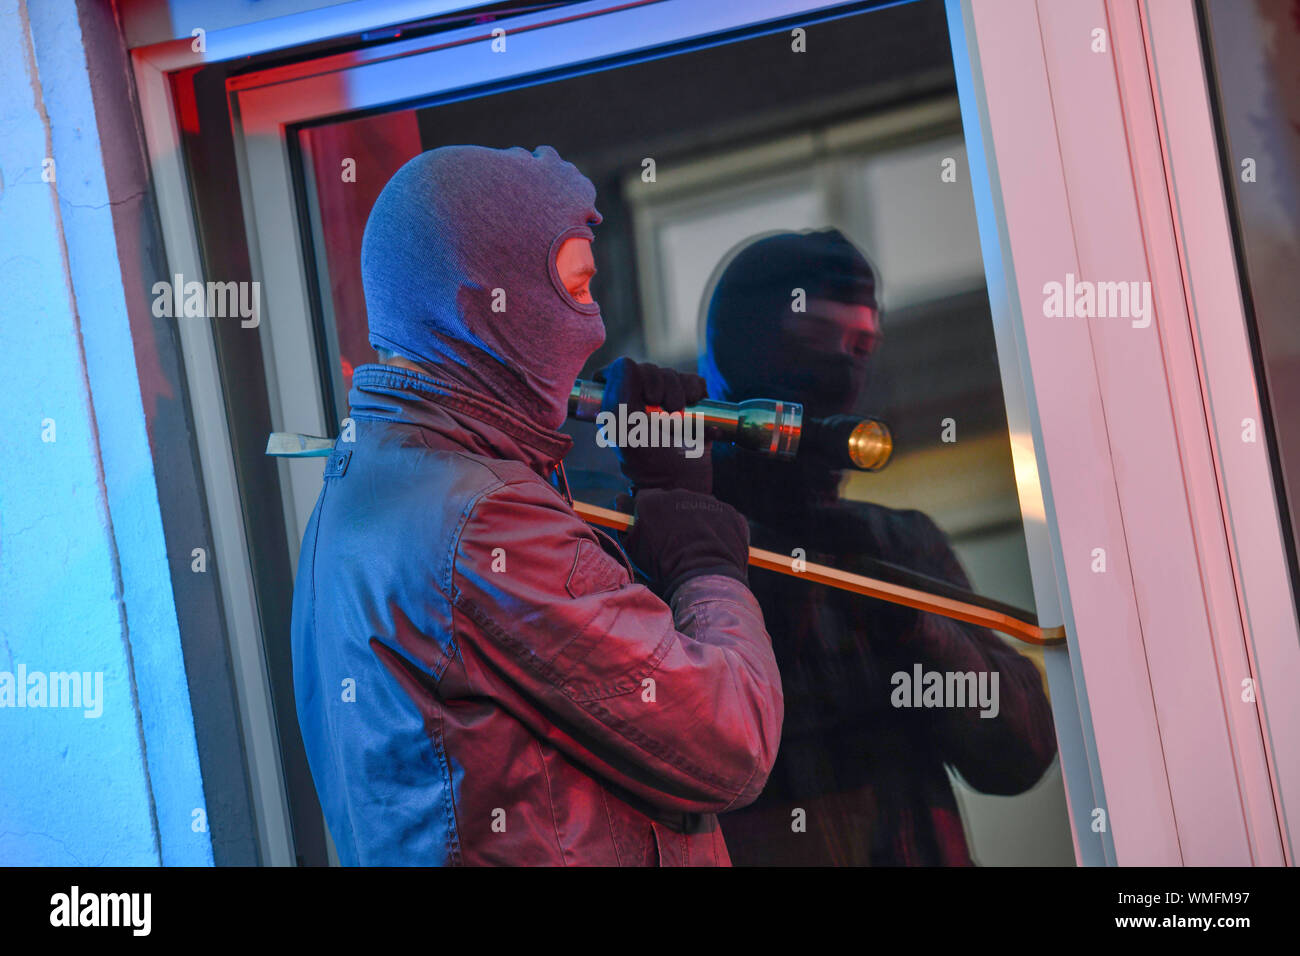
680	534
636	385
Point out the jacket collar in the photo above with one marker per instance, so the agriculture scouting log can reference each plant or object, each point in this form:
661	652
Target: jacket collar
462	416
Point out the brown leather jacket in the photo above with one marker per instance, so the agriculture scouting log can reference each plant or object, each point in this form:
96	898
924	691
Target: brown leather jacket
478	678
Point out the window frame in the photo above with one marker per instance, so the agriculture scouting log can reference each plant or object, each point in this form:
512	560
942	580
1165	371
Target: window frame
1194	775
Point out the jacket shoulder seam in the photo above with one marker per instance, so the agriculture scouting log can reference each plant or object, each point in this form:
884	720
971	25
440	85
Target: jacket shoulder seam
448	585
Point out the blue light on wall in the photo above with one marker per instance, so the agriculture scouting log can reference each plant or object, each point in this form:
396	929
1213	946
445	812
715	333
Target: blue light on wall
100	769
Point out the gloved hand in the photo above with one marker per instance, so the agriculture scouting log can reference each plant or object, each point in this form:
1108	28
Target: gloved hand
680	534
636	385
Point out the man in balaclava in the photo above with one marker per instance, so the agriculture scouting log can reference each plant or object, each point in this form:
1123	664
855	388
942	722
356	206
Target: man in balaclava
868	776
479	679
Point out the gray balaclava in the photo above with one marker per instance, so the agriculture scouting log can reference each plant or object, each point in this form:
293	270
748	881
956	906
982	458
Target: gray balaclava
461	229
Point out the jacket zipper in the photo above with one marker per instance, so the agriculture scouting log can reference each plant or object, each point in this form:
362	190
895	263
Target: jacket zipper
560	482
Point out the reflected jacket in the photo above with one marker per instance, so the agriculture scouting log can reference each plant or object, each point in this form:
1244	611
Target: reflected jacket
861	764
478	677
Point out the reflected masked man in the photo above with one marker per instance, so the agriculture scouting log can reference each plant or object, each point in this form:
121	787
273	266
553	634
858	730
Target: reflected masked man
478	678
857	780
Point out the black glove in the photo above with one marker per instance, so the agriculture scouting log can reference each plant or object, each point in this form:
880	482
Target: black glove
636	385
680	534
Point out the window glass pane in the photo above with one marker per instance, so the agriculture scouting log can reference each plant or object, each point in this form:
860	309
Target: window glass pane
855	142
921	228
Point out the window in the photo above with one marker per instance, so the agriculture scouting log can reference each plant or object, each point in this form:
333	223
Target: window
732	162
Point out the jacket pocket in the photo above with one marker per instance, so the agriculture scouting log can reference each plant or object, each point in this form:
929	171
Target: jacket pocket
622	663
594	571
630	832
670	846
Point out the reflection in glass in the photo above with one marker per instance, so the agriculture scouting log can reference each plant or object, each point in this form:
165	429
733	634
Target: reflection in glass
860	776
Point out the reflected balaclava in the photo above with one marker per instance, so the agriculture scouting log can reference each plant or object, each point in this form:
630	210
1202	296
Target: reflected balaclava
751	353
458	265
